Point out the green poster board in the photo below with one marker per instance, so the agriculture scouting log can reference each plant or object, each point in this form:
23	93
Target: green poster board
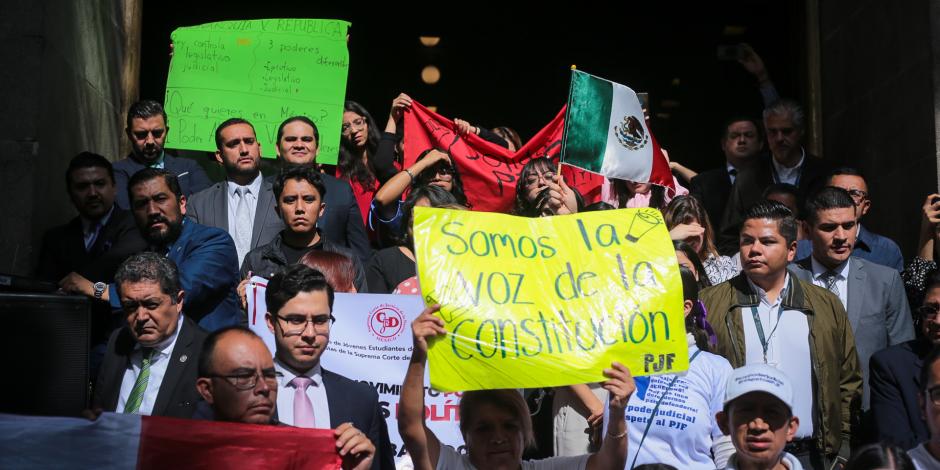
264	71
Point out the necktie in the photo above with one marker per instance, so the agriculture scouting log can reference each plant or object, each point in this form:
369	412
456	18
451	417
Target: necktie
242	223
830	279
303	409
140	385
92	235
733	174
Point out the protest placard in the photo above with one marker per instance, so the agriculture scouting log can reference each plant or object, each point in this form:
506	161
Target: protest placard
264	71
550	301
371	342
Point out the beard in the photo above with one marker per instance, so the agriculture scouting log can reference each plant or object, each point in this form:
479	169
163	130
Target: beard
166	236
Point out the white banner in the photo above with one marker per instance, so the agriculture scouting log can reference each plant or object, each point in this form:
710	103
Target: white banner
371	342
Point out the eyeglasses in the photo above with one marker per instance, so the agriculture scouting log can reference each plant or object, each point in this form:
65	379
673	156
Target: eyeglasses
928	311
358	123
297	324
248	380
858	195
533	178
933	393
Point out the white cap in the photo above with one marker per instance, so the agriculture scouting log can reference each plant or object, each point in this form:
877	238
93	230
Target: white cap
759	378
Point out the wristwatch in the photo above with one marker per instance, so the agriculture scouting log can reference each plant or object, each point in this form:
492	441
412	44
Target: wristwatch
99	289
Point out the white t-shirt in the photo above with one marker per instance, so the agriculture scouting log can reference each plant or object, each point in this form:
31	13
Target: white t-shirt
451	460
788	460
922	458
684	427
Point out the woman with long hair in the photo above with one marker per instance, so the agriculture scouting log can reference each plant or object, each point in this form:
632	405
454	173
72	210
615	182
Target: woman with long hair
687	220
359	143
541	191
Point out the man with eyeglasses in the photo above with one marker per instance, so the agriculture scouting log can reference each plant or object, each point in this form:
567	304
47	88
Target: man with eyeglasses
151	363
896	379
147	129
237	379
869	246
872	295
300	312
927	455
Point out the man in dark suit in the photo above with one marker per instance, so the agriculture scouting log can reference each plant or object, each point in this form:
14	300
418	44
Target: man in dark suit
895	379
741	143
298	142
147	129
300	306
243	205
788	163
204	255
238	382
873	295
151	363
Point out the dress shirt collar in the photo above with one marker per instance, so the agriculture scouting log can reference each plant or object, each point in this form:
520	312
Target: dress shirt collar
783	169
88	225
254	186
762	294
165	347
286	373
842	270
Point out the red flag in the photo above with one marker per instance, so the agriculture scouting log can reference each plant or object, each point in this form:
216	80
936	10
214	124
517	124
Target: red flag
490	172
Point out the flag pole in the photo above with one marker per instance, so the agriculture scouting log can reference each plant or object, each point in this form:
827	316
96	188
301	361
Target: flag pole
564	133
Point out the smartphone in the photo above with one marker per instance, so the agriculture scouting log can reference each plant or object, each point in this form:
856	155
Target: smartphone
732	53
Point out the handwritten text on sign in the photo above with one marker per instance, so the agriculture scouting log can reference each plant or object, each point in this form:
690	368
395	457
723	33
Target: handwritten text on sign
550	301
264	71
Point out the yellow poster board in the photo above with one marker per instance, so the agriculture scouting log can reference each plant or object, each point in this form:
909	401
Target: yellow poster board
545	302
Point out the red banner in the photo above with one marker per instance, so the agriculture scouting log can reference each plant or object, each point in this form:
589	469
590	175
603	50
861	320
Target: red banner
490	172
168	443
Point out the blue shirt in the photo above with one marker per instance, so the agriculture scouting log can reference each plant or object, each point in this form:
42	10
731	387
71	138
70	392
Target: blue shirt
869	246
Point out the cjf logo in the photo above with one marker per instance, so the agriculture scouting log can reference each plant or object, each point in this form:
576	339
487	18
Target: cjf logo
386	322
630	133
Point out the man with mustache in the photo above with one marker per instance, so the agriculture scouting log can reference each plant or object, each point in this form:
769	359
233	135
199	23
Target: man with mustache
872	294
147	129
243	204
766	316
300	313
151	363
205	256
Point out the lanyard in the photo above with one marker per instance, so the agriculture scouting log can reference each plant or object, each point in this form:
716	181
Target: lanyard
649	422
765	342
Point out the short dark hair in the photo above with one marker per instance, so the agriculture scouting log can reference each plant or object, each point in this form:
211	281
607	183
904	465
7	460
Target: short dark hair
229	122
297	278
880	455
741	118
88	160
298	172
846	170
776	211
303	119
148	174
208	346
932	356
145	109
829	197
785	189
149	266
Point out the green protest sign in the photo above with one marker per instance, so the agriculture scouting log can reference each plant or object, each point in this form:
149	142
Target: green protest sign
264	71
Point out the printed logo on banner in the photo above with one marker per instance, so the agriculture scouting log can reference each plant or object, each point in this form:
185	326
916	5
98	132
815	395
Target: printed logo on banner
386	322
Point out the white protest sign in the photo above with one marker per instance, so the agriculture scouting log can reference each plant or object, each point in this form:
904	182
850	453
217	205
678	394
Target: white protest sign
371	342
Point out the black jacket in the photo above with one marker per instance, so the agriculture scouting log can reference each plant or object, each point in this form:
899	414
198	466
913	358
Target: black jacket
267	260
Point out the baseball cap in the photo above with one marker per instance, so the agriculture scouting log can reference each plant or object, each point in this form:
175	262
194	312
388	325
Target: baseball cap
759	378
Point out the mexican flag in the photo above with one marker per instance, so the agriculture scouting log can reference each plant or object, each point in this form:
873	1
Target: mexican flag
606	133
117	440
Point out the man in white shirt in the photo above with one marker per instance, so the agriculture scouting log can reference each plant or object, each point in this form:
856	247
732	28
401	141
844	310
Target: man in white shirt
300	312
150	364
872	294
243	204
238	381
758	415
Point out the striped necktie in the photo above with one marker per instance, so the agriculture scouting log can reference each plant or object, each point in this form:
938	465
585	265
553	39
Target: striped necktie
140	385
831	278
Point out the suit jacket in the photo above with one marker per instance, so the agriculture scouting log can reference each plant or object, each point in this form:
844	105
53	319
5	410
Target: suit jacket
895	383
354	402
208	266
177	396
341	222
877	309
191	176
748	188
210	207
712	188
63	249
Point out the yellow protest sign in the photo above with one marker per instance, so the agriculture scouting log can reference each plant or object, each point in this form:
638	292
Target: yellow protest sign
550	301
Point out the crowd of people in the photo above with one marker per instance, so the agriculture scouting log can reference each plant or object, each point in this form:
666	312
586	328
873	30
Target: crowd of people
811	341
